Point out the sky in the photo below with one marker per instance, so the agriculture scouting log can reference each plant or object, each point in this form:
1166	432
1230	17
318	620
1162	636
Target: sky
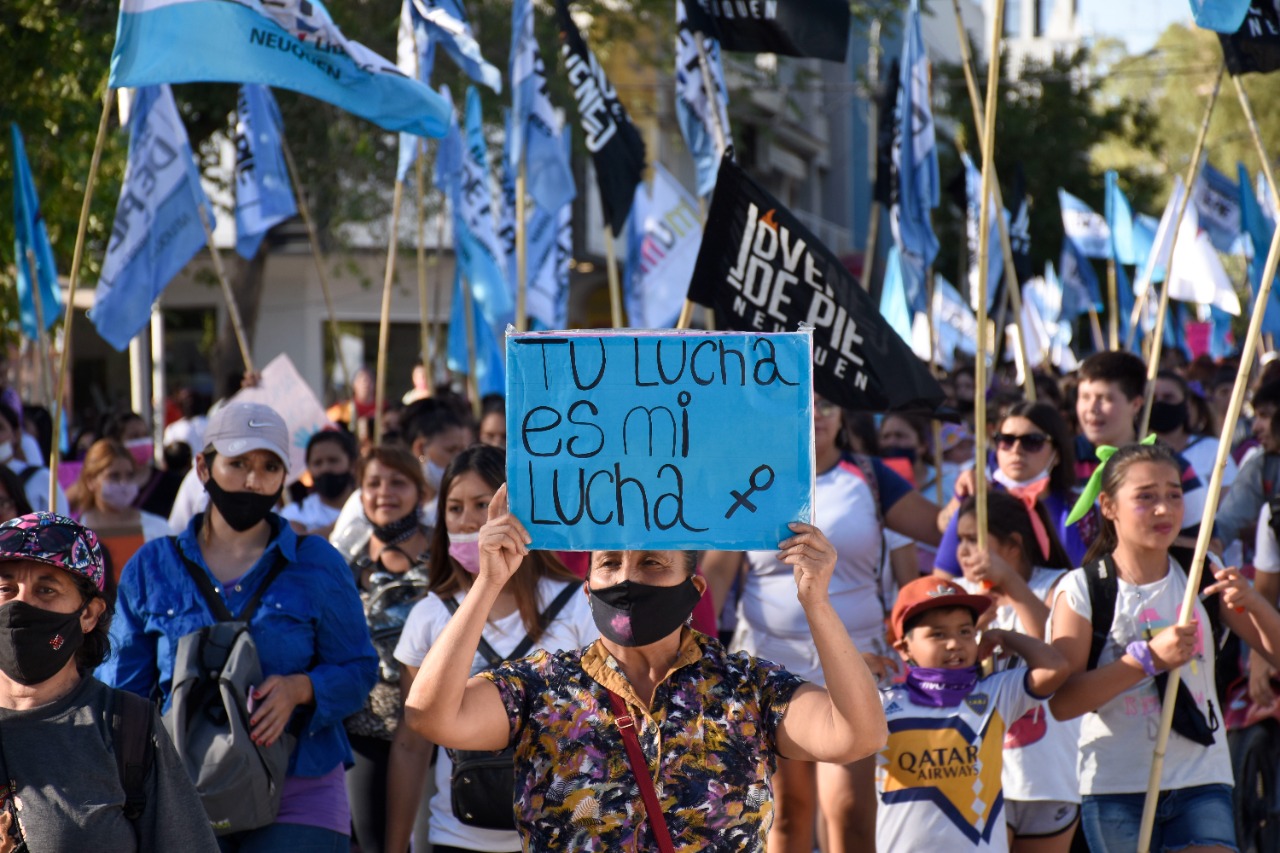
1138	22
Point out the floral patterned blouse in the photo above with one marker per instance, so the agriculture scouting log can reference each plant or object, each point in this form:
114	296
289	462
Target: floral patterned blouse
710	738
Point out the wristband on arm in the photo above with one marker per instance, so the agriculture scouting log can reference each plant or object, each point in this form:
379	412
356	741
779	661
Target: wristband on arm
1140	650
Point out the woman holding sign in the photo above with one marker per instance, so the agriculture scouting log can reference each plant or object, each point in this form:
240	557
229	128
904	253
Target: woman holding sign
856	498
715	722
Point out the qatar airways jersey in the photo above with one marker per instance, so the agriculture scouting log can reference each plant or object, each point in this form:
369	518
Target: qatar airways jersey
939	776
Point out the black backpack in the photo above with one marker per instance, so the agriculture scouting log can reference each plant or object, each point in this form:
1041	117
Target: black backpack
132	736
1103	584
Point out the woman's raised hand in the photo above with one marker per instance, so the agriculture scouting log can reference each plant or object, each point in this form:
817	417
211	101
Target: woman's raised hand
812	557
504	542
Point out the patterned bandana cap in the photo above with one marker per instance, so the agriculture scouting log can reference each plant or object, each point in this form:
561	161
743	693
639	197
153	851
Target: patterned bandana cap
55	540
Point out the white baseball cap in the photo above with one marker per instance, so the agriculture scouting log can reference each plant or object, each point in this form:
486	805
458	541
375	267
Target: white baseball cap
238	428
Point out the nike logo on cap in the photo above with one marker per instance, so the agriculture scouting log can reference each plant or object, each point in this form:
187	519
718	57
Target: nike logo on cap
259	424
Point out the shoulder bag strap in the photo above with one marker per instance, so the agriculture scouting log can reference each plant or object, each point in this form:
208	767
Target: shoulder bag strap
131	732
210	594
1104	589
640	769
485	649
546	618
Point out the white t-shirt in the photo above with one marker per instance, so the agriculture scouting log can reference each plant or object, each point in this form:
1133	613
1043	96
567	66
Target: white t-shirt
939	775
36	486
1117	740
1266	551
573	628
1202	453
844	510
312	513
189	430
1039	751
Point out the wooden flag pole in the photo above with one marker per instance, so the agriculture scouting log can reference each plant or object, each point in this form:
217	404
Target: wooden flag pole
1157	336
233	310
1013	294
522	249
469	323
615	288
1113	305
42	334
873	152
318	256
437	293
1215	482
424	317
384	323
69	312
984	251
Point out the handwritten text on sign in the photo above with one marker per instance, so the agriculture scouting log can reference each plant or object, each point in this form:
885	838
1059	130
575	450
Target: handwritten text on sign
624	440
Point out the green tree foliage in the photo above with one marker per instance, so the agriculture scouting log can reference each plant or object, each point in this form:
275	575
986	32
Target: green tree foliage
1048	122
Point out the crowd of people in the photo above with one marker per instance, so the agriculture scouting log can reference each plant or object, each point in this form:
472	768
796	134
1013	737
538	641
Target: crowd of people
403	671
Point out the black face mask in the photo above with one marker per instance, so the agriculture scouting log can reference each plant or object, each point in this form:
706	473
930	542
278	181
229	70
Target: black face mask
35	644
331	485
1166	417
637	614
907	453
241	510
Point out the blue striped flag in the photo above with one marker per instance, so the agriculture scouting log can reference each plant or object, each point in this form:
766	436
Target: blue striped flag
915	151
157	228
264	197
534	124
474	235
445	22
491	375
288	46
698	117
30	235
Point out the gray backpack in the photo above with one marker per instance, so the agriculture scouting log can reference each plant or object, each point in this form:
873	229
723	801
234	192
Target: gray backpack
238	781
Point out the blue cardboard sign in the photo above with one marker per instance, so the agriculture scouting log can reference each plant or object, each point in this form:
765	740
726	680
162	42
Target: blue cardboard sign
668	440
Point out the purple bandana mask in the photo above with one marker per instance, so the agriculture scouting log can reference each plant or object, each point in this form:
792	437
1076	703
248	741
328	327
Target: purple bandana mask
935	687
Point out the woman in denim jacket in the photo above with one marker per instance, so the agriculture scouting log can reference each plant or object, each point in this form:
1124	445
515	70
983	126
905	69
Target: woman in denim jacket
318	662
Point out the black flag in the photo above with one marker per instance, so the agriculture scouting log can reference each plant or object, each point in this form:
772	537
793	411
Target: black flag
886	130
761	270
817	28
1020	226
1256	45
615	145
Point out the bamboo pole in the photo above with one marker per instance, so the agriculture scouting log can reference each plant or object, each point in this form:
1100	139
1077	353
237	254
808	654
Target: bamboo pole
1113	305
615	288
384	323
318	256
42	334
1013	294
1096	325
984	249
424	317
873	153
469	323
1157	337
1215	481
233	310
69	312
522	249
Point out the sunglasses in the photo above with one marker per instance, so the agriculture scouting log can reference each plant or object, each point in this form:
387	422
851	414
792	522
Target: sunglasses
48	539
1032	442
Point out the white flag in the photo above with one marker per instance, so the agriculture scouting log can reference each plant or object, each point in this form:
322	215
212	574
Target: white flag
663	238
1158	258
1197	274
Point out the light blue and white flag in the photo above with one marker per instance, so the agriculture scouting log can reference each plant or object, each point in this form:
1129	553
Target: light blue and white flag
1221	16
915	151
535	125
1124	249
894	305
449	153
1197	274
286	44
416	58
1079	282
995	257
157	228
663	238
264	197
475	237
1259	229
705	126
1217	202
550	251
1157	263
491	376
31	235
1083	227
445	22
955	327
